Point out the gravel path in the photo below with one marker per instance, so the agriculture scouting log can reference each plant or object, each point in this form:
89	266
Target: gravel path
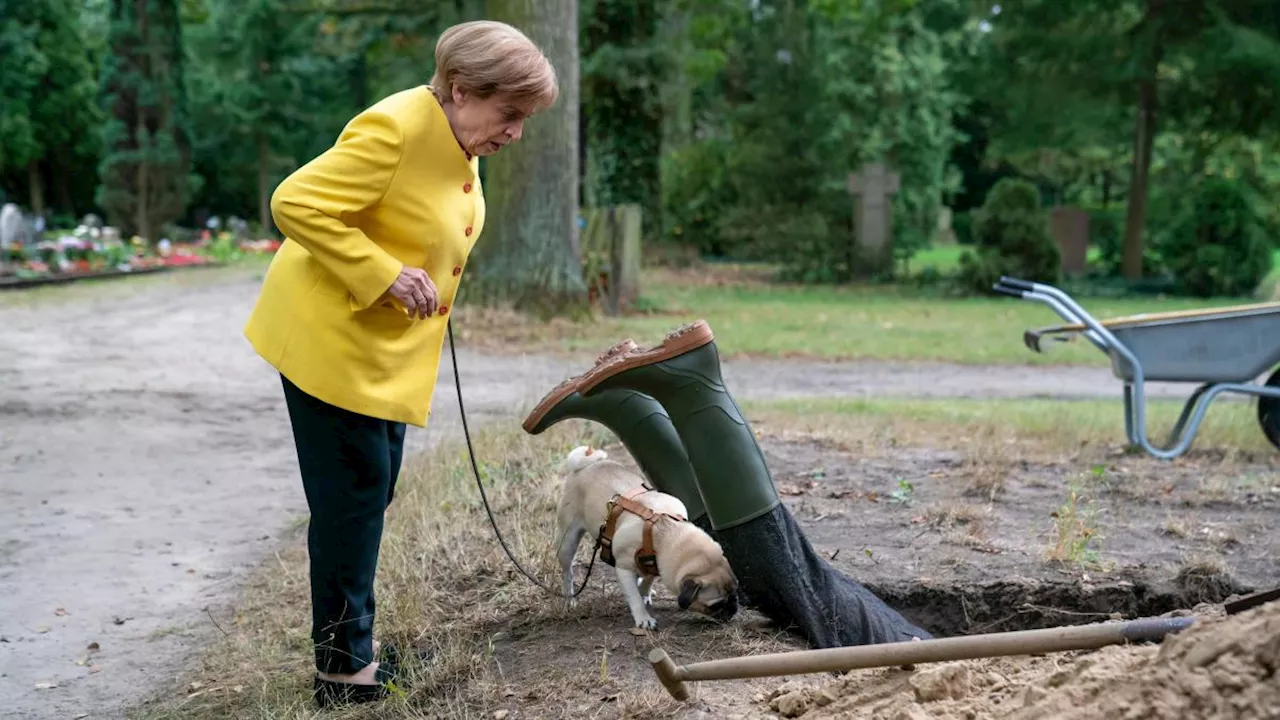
146	466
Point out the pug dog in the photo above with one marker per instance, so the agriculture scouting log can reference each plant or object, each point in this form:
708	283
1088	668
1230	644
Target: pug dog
691	564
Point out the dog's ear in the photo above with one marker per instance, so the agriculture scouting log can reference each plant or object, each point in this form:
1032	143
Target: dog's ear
688	591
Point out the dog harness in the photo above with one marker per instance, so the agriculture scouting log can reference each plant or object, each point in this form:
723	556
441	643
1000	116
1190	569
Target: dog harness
647	555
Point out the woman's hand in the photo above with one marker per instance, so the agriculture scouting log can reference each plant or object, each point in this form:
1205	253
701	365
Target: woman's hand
414	288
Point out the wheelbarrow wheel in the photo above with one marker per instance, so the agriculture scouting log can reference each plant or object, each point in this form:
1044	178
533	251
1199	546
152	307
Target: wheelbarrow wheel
1269	411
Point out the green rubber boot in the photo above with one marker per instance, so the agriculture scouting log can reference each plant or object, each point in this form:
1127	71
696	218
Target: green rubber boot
683	376
638	420
645	430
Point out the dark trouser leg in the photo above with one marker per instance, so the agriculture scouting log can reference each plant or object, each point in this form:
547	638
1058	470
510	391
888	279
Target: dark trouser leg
346	462
395	441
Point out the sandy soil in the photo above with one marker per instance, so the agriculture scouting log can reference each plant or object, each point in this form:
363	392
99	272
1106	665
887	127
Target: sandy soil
146	466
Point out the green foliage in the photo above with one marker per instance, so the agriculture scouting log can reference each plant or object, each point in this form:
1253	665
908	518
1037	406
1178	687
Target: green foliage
20	75
1216	245
144	172
808	92
47	110
696	194
622	63
1011	237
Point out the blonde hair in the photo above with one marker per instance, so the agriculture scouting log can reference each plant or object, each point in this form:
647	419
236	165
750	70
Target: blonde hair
486	58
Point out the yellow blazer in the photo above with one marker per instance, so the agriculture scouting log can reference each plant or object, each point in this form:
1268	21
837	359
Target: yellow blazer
395	190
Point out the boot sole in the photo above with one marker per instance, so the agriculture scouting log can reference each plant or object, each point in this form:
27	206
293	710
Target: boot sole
677	342
570	386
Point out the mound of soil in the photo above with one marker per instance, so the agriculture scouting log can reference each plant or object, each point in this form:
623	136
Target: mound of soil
1223	667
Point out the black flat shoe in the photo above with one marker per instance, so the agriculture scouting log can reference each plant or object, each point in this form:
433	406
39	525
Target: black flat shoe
328	693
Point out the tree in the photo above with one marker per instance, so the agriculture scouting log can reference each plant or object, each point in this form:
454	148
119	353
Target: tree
530	253
144	180
263	77
621	92
20	75
47	45
1193	64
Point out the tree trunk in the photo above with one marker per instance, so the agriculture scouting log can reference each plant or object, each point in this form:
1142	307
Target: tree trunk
62	171
529	252
36	184
1145	126
264	185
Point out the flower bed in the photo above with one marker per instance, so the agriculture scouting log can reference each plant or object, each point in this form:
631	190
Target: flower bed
93	252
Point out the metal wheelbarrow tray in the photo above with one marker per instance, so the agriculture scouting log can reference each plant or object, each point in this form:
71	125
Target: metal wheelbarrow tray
1222	349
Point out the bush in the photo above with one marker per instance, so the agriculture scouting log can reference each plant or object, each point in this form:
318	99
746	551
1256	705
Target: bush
1010	237
695	195
1217	244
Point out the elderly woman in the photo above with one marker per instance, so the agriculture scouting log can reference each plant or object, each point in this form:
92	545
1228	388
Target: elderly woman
353	310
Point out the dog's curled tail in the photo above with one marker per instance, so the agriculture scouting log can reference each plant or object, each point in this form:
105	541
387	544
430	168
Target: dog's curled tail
584	455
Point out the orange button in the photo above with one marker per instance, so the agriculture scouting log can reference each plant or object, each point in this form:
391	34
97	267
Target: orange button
457	270
466	187
444	309
468	231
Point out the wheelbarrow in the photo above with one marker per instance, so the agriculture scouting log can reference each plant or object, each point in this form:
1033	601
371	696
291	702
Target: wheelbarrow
1223	350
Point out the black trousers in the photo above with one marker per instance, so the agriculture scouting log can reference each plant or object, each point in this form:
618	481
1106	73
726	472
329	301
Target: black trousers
349	465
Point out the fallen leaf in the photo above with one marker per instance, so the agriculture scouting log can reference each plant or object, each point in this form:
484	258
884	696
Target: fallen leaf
93	646
46	686
95	669
918	519
501	714
60	612
639	632
42	629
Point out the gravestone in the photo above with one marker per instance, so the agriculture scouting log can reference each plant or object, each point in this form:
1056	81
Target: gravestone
13	230
239	227
946	235
873	188
1070	229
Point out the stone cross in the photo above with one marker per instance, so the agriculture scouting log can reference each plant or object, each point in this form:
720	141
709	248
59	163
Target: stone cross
873	188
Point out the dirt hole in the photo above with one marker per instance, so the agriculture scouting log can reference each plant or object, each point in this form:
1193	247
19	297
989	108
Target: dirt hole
1030	604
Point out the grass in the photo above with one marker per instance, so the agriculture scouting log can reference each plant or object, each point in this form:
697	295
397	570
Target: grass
757	318
997	428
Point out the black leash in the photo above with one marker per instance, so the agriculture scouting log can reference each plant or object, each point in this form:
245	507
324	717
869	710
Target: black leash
475	469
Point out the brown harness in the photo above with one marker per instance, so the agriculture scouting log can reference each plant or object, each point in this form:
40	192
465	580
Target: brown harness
647	555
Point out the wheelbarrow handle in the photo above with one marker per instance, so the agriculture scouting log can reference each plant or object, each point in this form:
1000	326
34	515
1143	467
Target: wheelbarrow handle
1022	285
1008	290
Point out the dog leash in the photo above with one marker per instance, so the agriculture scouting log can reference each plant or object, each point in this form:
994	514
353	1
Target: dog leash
475	470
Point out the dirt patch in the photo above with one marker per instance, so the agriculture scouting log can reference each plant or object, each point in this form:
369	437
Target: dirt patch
1049	544
1222	667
